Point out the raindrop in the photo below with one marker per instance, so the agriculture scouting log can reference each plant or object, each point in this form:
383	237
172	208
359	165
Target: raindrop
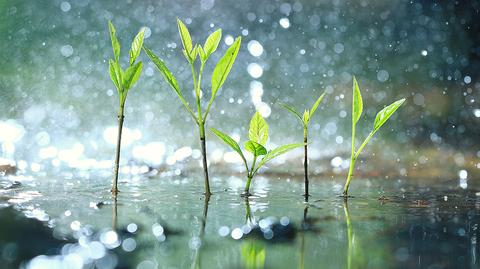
284	22
65	6
382	75
229	40
66	50
255	70
255	48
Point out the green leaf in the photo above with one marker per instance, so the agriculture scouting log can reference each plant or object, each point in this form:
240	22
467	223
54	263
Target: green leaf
291	110
357	104
113	74
229	141
201	53
211	44
186	39
136	46
118	75
306	117
255	148
132	74
314	107
194	53
258	131
115	43
167	75
224	66
385	114
277	152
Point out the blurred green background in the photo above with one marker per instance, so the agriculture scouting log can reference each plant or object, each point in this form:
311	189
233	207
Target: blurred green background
58	103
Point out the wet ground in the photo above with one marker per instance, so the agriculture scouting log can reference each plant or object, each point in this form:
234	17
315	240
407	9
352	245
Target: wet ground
165	222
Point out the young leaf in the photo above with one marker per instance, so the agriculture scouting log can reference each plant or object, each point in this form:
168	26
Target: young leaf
201	53
291	110
385	114
212	42
136	46
255	148
314	107
169	78
306	117
224	66
115	43
132	74
194	53
229	141
164	70
277	152
118	75
258	131
357	104
185	36
113	74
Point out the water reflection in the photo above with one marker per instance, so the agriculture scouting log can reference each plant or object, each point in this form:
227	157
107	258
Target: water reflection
196	264
252	250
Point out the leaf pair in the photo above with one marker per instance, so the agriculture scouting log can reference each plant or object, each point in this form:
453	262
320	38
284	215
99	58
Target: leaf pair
382	116
190	52
258	135
220	73
124	80
307	114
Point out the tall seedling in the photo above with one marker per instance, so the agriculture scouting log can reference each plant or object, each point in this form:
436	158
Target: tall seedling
123	81
380	119
219	75
305	119
258	135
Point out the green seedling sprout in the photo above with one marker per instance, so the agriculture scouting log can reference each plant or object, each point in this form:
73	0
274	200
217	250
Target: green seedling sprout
219	75
123	81
305	119
380	119
258	135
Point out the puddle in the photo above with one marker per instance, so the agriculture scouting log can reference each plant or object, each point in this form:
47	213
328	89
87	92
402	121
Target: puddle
164	222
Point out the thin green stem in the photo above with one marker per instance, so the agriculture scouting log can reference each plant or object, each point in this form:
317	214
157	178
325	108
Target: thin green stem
305	161
247	186
352	160
364	144
119	144
198	91
204	159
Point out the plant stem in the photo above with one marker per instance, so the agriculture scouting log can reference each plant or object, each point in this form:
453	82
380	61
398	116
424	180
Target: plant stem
247	186
352	160
204	155
305	162
349	177
364	144
117	154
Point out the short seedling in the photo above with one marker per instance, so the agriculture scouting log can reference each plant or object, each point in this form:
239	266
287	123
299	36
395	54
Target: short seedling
380	119
123	80
258	135
305	119
219	75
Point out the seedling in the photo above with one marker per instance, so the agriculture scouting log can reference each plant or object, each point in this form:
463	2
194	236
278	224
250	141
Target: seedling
380	119
219	75
123	81
258	135
305	119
